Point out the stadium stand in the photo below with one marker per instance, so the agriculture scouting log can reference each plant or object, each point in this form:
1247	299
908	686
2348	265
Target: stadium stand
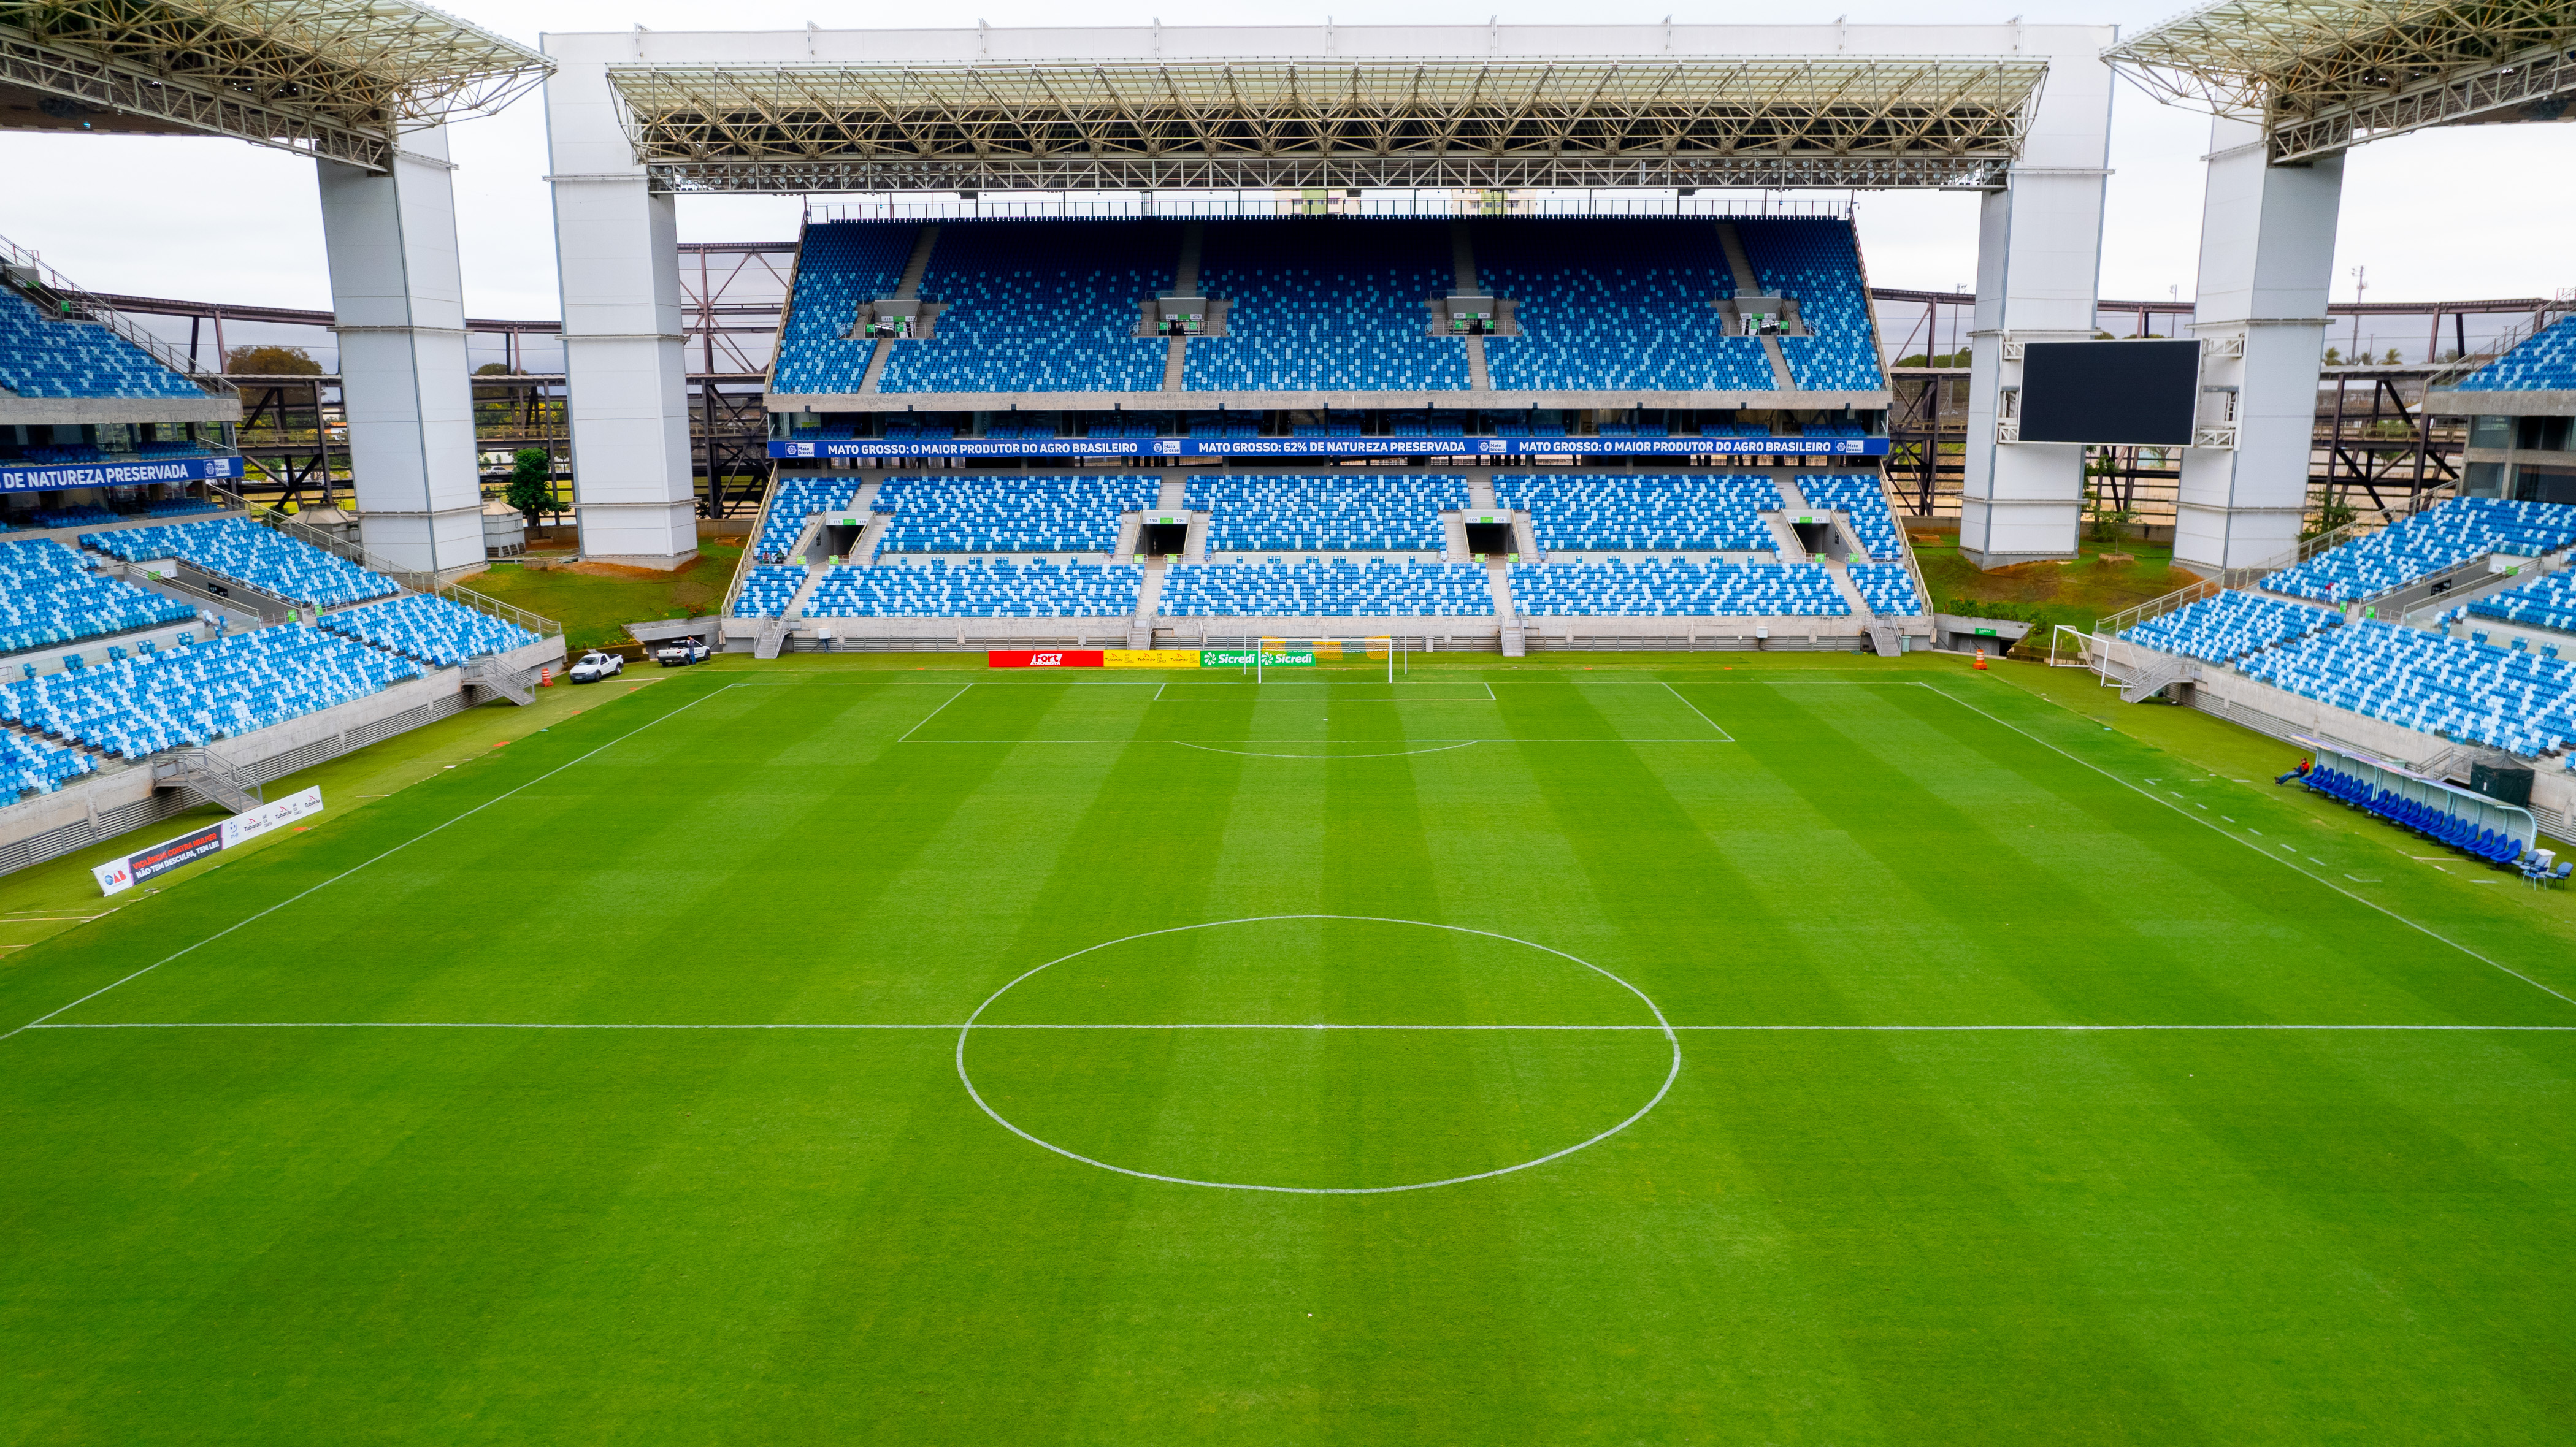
1040	306
797	499
2456	531
1614	304
1399	513
1325	306
31	765
48	596
1659	587
42	356
436	631
1650	512
1859	495
1817	261
1888	589
87	515
978	588
193	696
242	550
840	266
2544	362
1045	513
2548	603
1326	588
2491	845
2516	701
767	590
2229	625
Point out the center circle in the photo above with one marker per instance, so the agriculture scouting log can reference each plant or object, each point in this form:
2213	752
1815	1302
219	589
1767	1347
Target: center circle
1317	1054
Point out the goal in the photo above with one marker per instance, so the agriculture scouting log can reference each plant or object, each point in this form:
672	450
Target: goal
1341	657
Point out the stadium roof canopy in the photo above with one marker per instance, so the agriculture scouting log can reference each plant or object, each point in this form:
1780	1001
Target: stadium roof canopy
330	78
2324	75
1861	121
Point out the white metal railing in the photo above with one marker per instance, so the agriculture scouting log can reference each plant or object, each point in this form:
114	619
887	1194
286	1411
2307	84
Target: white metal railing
2375	520
2452	373
90	309
276	520
1268	204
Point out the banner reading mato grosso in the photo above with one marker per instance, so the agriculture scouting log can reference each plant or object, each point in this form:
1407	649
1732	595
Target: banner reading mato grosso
119	875
1146	658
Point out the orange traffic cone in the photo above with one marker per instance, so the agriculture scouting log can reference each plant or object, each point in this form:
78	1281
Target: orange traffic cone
546	676
1981	658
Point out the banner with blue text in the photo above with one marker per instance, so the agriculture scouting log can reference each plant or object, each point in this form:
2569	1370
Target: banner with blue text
49	476
1348	447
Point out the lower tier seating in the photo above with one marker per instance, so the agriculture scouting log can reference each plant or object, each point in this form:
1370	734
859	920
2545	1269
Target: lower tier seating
1658	588
767	590
437	631
31	764
1682	513
2458	530
978	588
2548	603
797	499
1010	514
48	596
1326	514
193	696
242	550
2229	625
2542	362
1888	589
1859	496
1327	588
2519	702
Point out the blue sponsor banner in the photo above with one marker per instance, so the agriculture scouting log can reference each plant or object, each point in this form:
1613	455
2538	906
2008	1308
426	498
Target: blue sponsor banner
49	476
1352	447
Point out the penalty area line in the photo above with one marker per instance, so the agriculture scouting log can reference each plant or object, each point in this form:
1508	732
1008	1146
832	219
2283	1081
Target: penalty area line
2040	1029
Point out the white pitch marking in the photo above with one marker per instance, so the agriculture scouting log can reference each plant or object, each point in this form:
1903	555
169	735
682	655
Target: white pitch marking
1722	735
1670	1075
1397	754
354	868
934	713
1204	1025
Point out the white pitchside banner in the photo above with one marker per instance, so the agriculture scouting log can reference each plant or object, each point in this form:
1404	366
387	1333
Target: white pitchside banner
119	875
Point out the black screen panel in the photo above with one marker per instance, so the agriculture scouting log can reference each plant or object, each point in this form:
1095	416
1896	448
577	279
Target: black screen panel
2141	394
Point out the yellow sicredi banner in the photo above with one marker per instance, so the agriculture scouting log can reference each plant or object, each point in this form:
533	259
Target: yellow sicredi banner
1149	658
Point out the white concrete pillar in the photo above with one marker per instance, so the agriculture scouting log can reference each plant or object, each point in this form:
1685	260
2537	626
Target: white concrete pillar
2039	269
2267	238
617	255
399	301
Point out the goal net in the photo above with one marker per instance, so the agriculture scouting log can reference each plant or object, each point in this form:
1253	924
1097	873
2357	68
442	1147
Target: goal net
1376	657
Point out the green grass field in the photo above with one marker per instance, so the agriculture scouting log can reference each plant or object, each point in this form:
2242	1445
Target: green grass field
1800	1050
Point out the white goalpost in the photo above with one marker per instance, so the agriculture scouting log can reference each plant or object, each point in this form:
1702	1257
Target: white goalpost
1357	655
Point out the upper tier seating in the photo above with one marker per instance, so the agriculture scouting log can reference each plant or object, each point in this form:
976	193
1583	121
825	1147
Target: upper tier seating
1326	588
193	696
842	266
42	356
798	498
2548	603
1650	512
437	631
1816	260
2228	626
1015	513
1888	589
27	763
1399	513
1860	496
1657	588
2426	543
767	590
242	550
1325	306
979	588
2543	362
180	507
2516	701
1040	306
1614	304
85	515
48	596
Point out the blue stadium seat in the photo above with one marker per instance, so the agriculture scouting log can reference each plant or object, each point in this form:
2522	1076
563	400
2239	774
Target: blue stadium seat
1326	588
1391	513
2456	531
840	267
1817	260
1614	304
437	631
2542	362
2229	625
49	596
799	497
1657	587
1015	513
2549	602
2520	702
1859	495
1040	306
1326	306
193	696
1888	589
46	356
245	552
978	588
1643	512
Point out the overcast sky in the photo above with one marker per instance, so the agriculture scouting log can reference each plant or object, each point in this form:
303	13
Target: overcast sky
209	219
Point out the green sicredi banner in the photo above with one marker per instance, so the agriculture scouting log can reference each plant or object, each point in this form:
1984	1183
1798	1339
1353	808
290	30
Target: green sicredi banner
1246	658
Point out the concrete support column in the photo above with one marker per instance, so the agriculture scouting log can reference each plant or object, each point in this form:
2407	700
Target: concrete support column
399	300
2267	237
617	254
2039	269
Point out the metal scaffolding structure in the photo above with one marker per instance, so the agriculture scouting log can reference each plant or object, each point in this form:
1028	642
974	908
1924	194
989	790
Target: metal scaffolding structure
1861	121
2325	75
337	79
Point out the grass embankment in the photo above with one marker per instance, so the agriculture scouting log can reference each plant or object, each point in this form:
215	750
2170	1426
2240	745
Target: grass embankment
2047	594
595	601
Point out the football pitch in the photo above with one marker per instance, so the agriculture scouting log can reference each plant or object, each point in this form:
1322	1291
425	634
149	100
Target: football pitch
1811	1051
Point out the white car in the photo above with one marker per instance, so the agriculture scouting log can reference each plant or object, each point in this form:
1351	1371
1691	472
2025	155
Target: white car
681	652
595	666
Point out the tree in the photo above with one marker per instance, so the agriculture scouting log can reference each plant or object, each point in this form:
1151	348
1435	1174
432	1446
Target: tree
494	369
532	483
272	361
2334	356
2392	359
